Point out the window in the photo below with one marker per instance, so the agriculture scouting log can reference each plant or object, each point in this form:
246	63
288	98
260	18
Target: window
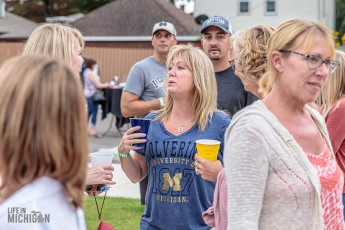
270	6
244	6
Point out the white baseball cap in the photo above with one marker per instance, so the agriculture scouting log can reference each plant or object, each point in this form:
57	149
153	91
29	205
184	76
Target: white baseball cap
167	26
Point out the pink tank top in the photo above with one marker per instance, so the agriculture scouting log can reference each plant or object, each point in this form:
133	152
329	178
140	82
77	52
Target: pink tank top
332	181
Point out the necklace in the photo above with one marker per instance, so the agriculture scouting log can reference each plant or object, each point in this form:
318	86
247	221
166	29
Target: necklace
180	127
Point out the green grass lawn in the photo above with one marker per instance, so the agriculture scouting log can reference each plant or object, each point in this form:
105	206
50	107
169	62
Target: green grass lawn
121	213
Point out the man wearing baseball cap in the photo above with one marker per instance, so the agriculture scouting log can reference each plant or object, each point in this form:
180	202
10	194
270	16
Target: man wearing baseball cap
216	32
143	91
167	26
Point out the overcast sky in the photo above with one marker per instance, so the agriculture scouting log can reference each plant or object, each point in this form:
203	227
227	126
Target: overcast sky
189	5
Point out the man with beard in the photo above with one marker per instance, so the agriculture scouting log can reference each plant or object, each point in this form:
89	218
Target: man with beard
232	96
144	91
216	32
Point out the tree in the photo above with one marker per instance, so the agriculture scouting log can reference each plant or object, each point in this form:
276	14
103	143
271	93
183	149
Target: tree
86	6
340	22
38	10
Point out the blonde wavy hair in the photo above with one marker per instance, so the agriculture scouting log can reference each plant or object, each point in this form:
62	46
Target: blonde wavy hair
204	101
335	87
284	38
249	50
42	125
54	39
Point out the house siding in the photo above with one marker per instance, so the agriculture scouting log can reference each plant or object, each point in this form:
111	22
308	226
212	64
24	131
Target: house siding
114	58
317	10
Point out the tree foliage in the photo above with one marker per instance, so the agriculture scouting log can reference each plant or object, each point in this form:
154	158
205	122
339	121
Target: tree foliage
340	22
86	6
38	10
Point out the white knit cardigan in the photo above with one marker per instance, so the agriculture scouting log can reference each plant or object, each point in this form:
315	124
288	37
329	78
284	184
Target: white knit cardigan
271	183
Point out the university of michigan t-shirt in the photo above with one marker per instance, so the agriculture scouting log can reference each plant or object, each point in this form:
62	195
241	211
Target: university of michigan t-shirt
176	195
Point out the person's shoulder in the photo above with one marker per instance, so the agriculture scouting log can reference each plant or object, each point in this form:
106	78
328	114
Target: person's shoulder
44	186
151	115
229	78
338	108
87	72
142	66
46	195
138	69
221	115
227	71
144	61
257	112
341	103
45	189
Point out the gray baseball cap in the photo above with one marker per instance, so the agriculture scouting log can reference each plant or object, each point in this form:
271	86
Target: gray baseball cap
167	26
219	22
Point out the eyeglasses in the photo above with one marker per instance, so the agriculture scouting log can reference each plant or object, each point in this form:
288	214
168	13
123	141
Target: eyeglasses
314	62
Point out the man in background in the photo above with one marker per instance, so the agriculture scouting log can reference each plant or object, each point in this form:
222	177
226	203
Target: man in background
216	32
144	90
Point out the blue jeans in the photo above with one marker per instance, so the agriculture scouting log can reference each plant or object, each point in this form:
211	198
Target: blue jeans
92	109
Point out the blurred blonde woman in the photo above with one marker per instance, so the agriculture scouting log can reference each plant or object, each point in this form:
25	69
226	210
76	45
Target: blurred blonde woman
43	146
65	43
249	51
272	146
59	41
333	110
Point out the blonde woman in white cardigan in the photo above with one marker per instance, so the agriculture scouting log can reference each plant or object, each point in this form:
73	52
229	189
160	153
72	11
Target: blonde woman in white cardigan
269	147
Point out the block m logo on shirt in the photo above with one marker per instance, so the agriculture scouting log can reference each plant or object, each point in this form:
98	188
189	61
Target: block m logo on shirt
172	182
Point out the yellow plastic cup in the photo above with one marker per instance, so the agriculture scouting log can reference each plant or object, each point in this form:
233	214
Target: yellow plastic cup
208	148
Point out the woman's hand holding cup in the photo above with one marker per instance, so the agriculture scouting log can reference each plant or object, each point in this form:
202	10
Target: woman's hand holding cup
130	139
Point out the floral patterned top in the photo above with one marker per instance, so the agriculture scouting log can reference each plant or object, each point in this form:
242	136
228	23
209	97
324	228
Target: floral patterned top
332	181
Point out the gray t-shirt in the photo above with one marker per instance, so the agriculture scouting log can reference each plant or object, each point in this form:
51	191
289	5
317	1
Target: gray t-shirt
146	79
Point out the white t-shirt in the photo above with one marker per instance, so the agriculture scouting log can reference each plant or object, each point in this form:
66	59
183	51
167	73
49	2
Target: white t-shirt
40	205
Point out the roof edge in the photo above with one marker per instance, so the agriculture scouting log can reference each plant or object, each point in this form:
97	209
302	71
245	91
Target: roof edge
135	38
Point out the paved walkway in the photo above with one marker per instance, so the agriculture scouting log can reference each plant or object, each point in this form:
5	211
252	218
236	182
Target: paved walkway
108	143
